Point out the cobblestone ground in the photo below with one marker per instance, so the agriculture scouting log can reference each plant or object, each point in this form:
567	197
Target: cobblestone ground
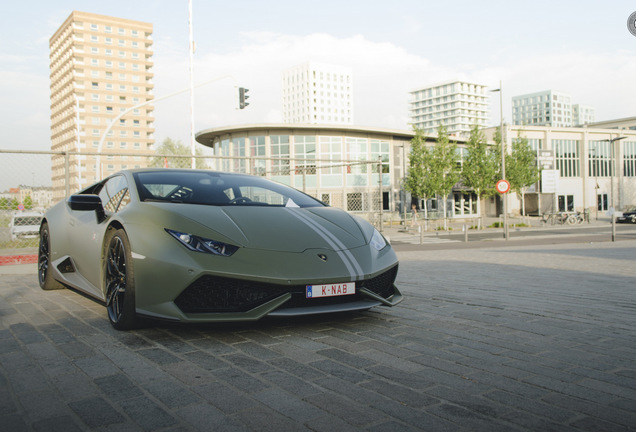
528	338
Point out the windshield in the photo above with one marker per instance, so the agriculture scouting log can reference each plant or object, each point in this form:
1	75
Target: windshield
219	189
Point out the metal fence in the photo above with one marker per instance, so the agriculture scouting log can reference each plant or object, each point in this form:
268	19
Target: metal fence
33	181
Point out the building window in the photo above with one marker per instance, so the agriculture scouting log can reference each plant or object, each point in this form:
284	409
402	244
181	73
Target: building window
567	157
257	149
331	149
629	159
566	203
535	144
279	146
356	150
238	147
354	201
305	150
601	202
599	159
465	203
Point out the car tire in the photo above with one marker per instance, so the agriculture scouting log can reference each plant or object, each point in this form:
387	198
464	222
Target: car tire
119	280
45	275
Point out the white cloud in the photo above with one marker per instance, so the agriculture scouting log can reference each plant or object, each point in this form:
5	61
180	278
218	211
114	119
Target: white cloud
384	73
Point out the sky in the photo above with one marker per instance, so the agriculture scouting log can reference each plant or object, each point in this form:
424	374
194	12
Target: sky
579	47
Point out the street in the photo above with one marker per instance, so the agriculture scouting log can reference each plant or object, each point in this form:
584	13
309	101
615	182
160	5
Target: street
501	337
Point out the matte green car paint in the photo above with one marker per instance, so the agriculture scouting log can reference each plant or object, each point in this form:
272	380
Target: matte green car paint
277	245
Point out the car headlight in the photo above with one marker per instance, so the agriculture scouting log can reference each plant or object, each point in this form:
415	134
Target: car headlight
377	240
200	244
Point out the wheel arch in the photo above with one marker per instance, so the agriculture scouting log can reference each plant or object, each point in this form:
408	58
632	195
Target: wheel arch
112	226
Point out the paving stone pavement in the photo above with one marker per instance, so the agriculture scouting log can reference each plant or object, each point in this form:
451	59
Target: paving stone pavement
499	338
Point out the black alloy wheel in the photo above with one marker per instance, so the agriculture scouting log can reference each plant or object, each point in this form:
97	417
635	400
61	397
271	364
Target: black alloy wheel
119	281
45	277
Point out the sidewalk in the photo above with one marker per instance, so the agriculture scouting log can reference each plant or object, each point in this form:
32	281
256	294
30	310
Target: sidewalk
434	229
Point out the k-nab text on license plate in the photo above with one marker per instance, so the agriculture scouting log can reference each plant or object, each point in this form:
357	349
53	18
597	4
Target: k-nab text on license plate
331	290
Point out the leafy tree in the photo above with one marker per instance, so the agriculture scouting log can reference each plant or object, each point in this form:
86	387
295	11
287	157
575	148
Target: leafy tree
433	171
521	167
4	203
28	202
418	176
170	147
481	168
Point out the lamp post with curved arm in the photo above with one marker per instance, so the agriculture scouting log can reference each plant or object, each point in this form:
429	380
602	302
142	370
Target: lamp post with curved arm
123	113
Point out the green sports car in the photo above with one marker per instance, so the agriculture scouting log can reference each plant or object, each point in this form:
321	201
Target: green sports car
204	246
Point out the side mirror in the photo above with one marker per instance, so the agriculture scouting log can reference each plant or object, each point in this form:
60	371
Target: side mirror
81	202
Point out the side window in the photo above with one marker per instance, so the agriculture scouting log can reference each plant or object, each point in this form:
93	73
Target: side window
114	194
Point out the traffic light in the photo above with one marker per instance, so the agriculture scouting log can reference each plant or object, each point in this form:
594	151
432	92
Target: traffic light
243	97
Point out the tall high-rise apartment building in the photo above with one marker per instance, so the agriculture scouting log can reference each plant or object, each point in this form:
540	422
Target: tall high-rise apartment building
100	67
318	93
458	105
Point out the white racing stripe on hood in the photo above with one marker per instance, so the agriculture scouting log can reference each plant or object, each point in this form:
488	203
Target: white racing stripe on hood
345	255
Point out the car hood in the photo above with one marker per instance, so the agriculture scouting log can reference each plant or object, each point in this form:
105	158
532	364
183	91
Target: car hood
278	228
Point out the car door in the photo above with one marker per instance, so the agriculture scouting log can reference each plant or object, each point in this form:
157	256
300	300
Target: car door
88	229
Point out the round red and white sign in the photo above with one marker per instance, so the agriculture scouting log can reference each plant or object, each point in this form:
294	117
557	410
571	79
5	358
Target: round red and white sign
502	186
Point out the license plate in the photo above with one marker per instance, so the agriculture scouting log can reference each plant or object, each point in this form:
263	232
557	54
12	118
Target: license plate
331	290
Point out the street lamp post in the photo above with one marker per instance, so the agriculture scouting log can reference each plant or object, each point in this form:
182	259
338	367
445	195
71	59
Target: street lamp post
123	113
503	160
613	161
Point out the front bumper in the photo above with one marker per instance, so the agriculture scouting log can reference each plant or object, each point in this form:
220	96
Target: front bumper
179	285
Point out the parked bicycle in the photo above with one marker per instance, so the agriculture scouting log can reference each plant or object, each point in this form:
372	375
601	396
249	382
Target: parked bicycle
571	218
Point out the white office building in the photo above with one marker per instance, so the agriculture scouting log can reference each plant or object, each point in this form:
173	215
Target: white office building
316	93
583	115
589	168
458	105
546	108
